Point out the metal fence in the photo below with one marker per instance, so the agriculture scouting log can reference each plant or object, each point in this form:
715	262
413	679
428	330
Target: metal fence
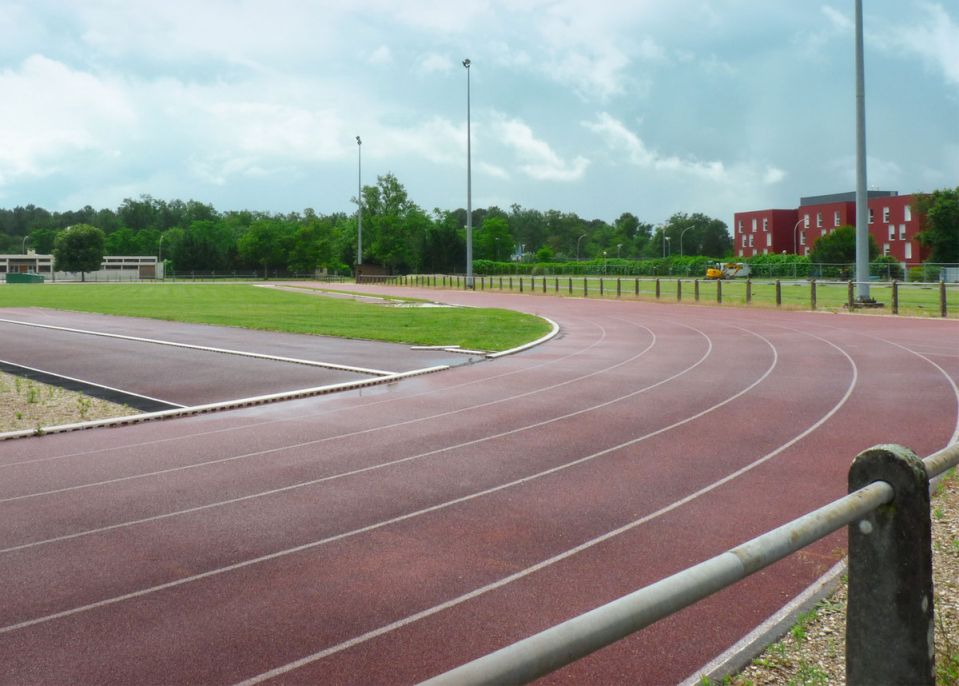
889	635
935	299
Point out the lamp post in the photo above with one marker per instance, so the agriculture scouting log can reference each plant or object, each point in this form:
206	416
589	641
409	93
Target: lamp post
665	239
862	202
496	248
795	245
160	256
23	245
619	246
577	245
604	262
359	204
469	185
681	239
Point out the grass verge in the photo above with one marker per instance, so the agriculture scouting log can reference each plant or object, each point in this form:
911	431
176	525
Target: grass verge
247	306
26	404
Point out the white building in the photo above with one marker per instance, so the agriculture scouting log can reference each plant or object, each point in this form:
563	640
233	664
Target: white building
113	268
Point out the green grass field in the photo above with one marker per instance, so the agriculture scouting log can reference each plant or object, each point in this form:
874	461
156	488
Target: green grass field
914	299
248	306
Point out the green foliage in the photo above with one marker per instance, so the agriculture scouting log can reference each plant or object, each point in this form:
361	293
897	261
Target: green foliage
79	249
940	210
839	247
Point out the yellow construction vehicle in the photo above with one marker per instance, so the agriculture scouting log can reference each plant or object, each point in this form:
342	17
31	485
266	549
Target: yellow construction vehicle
727	270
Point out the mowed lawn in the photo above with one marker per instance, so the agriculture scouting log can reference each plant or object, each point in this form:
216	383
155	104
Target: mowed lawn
249	306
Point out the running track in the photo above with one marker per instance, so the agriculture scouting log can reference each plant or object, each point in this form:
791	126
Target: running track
389	535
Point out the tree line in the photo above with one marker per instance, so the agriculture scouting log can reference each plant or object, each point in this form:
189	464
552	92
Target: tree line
398	234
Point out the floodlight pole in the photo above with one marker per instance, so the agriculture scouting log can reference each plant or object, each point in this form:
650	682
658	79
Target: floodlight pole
469	185
359	203
862	199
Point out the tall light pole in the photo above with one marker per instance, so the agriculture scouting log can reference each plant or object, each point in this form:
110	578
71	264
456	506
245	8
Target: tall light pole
469	185
359	204
665	238
681	239
862	203
667	242
619	246
577	245
23	245
160	255
796	245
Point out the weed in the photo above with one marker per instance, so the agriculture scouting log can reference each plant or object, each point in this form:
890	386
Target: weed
33	395
937	513
83	404
18	415
18	382
38	430
809	675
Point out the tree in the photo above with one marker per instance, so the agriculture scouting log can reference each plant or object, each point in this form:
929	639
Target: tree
940	210
839	247
492	241
265	244
79	249
697	234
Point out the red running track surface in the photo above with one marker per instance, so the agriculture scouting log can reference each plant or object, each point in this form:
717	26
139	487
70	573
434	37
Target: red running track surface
389	535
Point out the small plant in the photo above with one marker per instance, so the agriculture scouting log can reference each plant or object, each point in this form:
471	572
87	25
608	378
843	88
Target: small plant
18	382
937	513
809	675
84	404
18	415
38	430
33	395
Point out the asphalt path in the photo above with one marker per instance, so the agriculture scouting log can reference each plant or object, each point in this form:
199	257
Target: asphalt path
389	534
145	356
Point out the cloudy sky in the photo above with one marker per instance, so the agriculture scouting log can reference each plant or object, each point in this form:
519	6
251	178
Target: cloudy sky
590	106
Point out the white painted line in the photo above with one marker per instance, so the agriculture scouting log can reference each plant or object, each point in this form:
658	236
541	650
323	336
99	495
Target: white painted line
527	346
433	347
225	405
204	348
90	383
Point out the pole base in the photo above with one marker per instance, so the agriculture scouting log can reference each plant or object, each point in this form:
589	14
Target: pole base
866	303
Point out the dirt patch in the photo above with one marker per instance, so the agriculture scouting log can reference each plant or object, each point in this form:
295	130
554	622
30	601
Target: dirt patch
29	404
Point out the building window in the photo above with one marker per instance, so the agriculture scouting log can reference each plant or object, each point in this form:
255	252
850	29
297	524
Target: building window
806	252
835	218
907	213
739	225
805	221
909	250
750	241
744	240
740	252
885	249
769	240
818	218
802	238
902	232
870	215
822	232
754	224
765	224
765	251
892	232
885	214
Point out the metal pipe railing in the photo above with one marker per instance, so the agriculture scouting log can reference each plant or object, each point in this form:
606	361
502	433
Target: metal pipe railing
573	639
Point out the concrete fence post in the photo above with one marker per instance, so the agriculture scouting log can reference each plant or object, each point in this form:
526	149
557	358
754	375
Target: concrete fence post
895	296
812	294
850	295
696	290
601	287
719	291
679	290
585	288
619	287
942	298
779	293
544	284
511	283
570	285
636	280
555	284
657	288
890	619
521	284
749	291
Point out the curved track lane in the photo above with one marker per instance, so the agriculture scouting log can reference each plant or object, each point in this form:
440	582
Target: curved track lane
386	535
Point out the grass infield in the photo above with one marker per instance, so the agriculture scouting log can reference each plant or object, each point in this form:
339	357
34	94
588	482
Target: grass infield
248	306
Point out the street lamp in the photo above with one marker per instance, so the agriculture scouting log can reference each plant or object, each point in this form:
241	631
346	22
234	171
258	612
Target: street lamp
577	245
359	204
681	239
619	246
496	248
23	246
795	228
604	262
160	256
469	185
665	242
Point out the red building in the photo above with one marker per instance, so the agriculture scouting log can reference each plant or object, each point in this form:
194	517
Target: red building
892	223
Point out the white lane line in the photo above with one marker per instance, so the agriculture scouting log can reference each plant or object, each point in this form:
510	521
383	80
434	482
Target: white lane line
314	415
90	383
215	407
341	475
205	348
407	422
380	631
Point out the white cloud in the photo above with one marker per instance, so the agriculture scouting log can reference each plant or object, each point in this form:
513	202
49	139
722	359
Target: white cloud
880	173
537	158
934	38
381	55
839	21
52	112
493	170
434	62
619	137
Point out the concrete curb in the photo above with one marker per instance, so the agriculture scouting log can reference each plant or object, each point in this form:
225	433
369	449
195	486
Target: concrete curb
739	655
526	346
217	407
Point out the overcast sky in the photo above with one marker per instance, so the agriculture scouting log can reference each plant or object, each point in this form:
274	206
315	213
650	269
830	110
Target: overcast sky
590	106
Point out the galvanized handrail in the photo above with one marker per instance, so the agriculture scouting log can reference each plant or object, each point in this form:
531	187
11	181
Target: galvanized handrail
573	639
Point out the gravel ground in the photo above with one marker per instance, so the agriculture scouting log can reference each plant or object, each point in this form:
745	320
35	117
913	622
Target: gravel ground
28	404
813	650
